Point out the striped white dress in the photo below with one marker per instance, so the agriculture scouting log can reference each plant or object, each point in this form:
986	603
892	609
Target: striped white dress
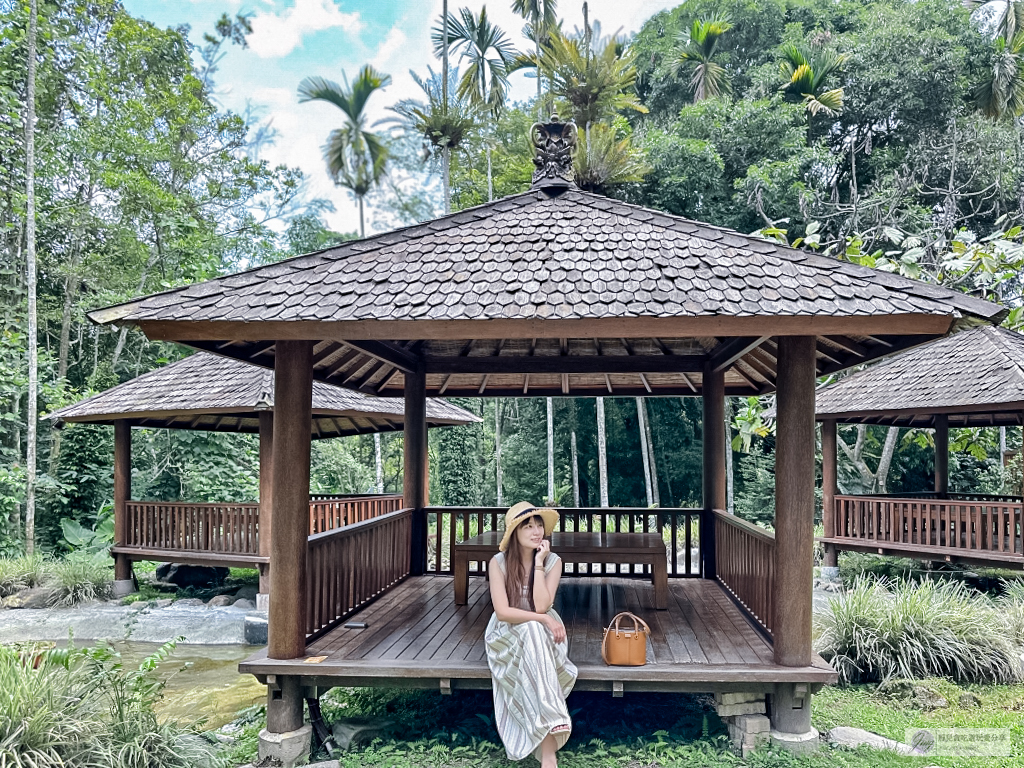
530	676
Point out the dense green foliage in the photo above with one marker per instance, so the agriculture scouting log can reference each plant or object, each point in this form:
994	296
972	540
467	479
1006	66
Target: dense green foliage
863	130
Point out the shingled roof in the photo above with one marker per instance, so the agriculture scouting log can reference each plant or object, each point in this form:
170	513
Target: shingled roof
569	286
976	377
213	393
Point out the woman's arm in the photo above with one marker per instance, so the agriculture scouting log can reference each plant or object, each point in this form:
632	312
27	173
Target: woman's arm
545	584
499	600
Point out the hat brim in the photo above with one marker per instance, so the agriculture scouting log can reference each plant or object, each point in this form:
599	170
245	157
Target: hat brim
548	515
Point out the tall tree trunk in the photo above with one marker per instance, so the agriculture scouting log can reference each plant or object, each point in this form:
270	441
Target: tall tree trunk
446	153
888	449
729	478
650	448
490	178
446	163
644	451
30	254
499	491
551	451
362	223
378	463
602	454
575	472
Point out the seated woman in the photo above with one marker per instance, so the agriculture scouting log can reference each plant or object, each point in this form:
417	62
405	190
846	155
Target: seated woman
527	649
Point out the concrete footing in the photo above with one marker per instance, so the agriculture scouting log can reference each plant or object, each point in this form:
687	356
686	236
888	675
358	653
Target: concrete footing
124	587
287	747
796	742
263	601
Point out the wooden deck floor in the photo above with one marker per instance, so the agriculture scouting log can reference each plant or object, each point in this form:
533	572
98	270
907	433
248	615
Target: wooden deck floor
416	636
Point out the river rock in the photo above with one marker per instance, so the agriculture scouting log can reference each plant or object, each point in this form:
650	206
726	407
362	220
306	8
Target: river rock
189	601
220	601
856	737
248	592
969	700
350	731
244	604
37	597
182	575
163	602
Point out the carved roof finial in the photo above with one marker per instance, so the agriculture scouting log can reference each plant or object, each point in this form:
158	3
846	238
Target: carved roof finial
554	143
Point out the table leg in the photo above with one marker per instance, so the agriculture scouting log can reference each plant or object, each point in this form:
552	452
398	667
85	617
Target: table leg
660	579
460	565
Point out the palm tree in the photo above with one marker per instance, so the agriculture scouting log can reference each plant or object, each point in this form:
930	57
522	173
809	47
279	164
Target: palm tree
443	127
541	17
489	53
605	158
1002	94
1008	16
699	45
356	157
804	73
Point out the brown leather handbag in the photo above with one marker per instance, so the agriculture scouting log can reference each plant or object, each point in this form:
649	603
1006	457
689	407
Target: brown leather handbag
625	646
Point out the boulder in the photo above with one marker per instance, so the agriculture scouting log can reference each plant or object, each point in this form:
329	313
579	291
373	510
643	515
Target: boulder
220	601
248	592
243	604
163	602
350	731
37	597
181	575
969	700
189	601
856	737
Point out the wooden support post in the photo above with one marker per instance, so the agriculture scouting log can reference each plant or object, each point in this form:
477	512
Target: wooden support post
122	493
415	472
794	502
829	487
266	518
942	455
293	414
713	431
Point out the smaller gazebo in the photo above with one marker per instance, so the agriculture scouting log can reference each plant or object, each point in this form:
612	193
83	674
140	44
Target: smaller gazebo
974	378
212	393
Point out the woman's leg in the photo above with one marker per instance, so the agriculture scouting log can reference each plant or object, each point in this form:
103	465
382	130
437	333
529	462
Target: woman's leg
548	750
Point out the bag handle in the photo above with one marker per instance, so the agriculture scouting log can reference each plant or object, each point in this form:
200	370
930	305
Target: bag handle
637	622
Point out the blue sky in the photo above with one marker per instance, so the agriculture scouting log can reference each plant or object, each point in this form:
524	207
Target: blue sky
293	39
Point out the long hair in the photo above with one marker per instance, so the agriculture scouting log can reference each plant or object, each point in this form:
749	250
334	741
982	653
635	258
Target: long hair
516	574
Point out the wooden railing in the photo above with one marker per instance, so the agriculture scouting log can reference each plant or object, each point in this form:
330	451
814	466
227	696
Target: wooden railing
447	526
229	528
348	567
327	513
745	560
986	525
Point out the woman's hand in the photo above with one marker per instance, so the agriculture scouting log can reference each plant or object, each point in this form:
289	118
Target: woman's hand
557	630
542	553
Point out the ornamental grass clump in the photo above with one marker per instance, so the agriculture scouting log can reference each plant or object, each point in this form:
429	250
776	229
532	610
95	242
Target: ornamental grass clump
80	578
880	630
18	573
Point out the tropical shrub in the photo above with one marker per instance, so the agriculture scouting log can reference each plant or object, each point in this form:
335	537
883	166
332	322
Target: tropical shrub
17	573
880	630
79	578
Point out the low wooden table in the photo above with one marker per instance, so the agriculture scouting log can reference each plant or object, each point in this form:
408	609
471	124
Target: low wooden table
575	547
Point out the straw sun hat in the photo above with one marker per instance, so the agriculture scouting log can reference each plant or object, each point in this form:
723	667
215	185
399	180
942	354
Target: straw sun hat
519	513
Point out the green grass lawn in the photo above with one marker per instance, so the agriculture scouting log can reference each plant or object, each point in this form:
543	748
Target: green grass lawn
656	730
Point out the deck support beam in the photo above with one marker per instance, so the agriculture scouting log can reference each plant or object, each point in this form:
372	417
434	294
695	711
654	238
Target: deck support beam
942	455
266	518
713	431
293	406
123	577
415	472
829	488
794	537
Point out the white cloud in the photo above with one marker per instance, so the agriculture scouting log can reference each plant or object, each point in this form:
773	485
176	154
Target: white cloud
275	35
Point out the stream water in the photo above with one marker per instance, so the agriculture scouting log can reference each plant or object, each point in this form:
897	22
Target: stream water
202	681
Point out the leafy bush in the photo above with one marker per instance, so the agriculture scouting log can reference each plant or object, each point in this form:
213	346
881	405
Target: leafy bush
83	708
880	630
79	578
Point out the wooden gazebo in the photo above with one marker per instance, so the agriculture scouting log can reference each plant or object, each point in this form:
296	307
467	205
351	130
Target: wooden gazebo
551	292
974	378
212	393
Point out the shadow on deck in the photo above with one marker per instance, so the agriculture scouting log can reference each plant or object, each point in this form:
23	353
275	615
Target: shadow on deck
417	637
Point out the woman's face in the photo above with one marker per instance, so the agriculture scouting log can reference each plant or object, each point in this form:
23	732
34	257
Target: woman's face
531	533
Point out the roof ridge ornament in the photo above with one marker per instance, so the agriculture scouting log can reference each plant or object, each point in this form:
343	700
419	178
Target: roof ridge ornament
554	143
